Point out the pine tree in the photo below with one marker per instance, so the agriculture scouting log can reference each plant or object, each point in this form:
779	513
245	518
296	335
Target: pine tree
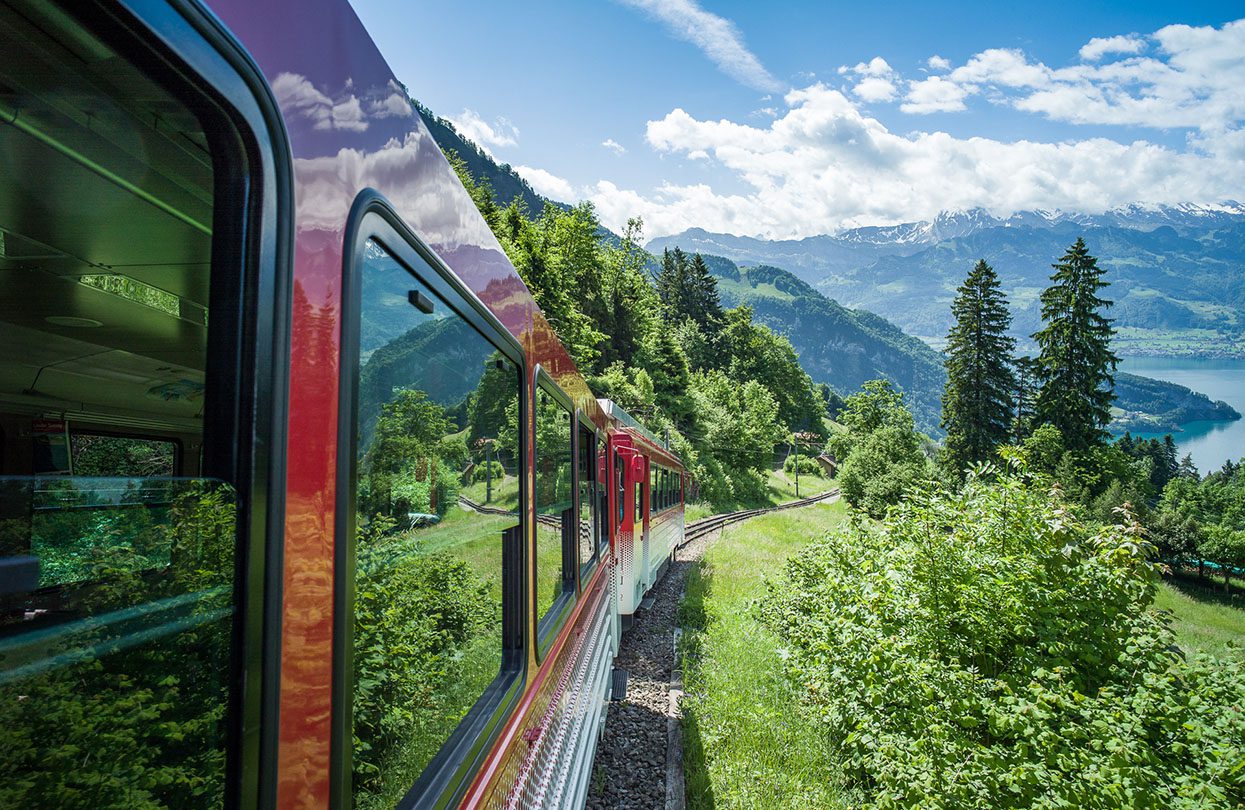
703	304
671	282
977	402
1076	364
1025	396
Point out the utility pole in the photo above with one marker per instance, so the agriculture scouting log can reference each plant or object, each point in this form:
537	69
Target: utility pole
797	464
488	472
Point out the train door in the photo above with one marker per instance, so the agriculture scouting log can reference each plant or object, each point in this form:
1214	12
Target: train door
639	477
141	327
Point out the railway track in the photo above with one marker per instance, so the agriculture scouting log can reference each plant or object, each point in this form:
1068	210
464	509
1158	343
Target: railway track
699	528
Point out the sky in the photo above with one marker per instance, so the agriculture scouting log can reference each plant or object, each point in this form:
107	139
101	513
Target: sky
790	119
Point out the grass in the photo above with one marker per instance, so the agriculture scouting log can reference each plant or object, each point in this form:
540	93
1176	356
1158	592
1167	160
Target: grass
747	742
1205	617
779	488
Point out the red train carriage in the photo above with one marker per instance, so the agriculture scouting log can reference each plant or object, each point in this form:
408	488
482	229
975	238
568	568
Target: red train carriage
302	503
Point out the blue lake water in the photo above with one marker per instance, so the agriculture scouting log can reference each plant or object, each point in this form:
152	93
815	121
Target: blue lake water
1211	443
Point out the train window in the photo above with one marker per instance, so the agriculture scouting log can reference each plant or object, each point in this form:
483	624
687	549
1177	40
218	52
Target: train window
437	470
119	190
639	500
103	454
586	501
620	488
554	503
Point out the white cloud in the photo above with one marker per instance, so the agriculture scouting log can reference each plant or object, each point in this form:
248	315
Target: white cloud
393	103
500	133
1099	47
937	62
716	36
877	80
614	146
1192	81
825	165
875	89
935	94
547	184
296	94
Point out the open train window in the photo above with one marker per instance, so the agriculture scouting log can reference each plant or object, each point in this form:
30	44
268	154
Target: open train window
431	549
554	560
126	185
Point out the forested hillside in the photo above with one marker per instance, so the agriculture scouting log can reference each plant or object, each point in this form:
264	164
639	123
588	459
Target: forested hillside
840	347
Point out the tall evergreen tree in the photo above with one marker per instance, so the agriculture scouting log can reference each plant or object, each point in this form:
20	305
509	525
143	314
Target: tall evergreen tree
1076	364
977	401
671	283
702	301
1027	385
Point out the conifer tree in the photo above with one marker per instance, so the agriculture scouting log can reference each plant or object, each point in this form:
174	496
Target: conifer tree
703	304
1076	364
1027	384
671	281
977	402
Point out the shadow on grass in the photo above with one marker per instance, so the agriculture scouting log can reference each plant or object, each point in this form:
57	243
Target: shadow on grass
1207	589
694	620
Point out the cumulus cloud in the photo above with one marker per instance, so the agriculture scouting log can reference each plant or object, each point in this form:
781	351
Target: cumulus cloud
547	184
296	95
824	165
500	133
717	37
1099	47
1192	81
614	146
934	94
876	80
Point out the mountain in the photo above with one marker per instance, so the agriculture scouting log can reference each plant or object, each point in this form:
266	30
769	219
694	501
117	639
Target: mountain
505	181
837	346
1177	272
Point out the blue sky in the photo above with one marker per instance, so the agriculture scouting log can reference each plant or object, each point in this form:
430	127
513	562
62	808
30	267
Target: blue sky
788	119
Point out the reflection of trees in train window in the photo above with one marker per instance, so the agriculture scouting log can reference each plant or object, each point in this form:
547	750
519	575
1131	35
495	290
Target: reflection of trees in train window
553	496
116	583
96	454
587	500
437	483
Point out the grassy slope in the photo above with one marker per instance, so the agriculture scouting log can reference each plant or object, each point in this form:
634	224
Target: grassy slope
779	488
1205	618
747	743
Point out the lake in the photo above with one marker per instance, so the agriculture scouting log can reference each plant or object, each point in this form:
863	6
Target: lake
1210	443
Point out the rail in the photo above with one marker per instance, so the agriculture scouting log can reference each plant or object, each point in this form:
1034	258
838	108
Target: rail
699	528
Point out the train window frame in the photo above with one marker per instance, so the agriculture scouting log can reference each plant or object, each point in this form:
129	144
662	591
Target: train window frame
447	776
185	48
548	625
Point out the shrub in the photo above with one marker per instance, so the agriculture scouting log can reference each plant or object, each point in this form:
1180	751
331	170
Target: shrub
988	649
481	471
808	466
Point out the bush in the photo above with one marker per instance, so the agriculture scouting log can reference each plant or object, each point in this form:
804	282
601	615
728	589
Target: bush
988	649
880	468
808	466
481	472
415	615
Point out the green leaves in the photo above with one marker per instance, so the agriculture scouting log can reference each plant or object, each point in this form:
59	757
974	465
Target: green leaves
986	648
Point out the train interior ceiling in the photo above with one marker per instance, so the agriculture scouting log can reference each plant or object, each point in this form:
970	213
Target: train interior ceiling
106	203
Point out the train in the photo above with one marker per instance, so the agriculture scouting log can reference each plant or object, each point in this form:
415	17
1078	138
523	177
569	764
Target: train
302	501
